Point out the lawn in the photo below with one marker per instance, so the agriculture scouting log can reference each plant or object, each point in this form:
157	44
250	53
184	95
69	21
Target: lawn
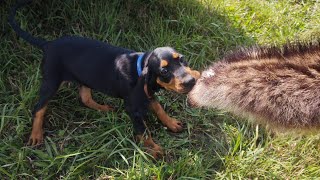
81	143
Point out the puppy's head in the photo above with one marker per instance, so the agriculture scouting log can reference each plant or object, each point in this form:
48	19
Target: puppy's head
168	69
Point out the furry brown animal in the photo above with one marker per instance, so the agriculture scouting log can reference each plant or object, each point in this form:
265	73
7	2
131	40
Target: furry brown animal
279	87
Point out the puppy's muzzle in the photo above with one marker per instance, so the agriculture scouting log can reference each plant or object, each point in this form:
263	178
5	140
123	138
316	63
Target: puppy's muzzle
188	83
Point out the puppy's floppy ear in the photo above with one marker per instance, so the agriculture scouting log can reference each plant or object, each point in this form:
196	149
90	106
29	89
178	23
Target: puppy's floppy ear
148	74
145	71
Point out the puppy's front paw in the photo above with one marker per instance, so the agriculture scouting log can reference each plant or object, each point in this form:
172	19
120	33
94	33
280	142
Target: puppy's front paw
36	138
174	125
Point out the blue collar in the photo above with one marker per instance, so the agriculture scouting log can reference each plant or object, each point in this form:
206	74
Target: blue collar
139	62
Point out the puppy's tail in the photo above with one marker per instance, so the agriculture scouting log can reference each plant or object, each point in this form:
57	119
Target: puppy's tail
38	42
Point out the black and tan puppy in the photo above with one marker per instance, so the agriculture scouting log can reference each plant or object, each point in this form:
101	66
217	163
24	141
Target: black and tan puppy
115	71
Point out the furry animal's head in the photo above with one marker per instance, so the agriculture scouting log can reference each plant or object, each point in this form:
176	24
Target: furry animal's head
201	95
166	68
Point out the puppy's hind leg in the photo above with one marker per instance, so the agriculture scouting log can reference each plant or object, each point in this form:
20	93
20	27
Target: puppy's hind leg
86	98
47	90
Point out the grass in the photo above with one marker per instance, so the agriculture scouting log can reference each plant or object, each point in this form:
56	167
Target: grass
84	144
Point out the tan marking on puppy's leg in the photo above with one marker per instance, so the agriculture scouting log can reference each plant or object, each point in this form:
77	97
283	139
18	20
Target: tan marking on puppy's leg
173	124
86	98
152	148
36	136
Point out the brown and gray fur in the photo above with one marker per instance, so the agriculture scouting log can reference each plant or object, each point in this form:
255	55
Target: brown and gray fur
279	87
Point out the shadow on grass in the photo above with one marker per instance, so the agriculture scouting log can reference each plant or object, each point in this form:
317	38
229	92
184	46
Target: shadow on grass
82	142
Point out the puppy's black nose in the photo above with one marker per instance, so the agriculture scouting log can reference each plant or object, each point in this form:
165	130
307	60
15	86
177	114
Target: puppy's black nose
189	82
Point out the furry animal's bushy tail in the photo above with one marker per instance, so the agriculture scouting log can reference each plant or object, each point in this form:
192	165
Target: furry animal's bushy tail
38	42
279	87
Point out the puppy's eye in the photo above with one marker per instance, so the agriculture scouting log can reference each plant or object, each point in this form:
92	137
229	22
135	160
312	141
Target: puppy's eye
164	71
